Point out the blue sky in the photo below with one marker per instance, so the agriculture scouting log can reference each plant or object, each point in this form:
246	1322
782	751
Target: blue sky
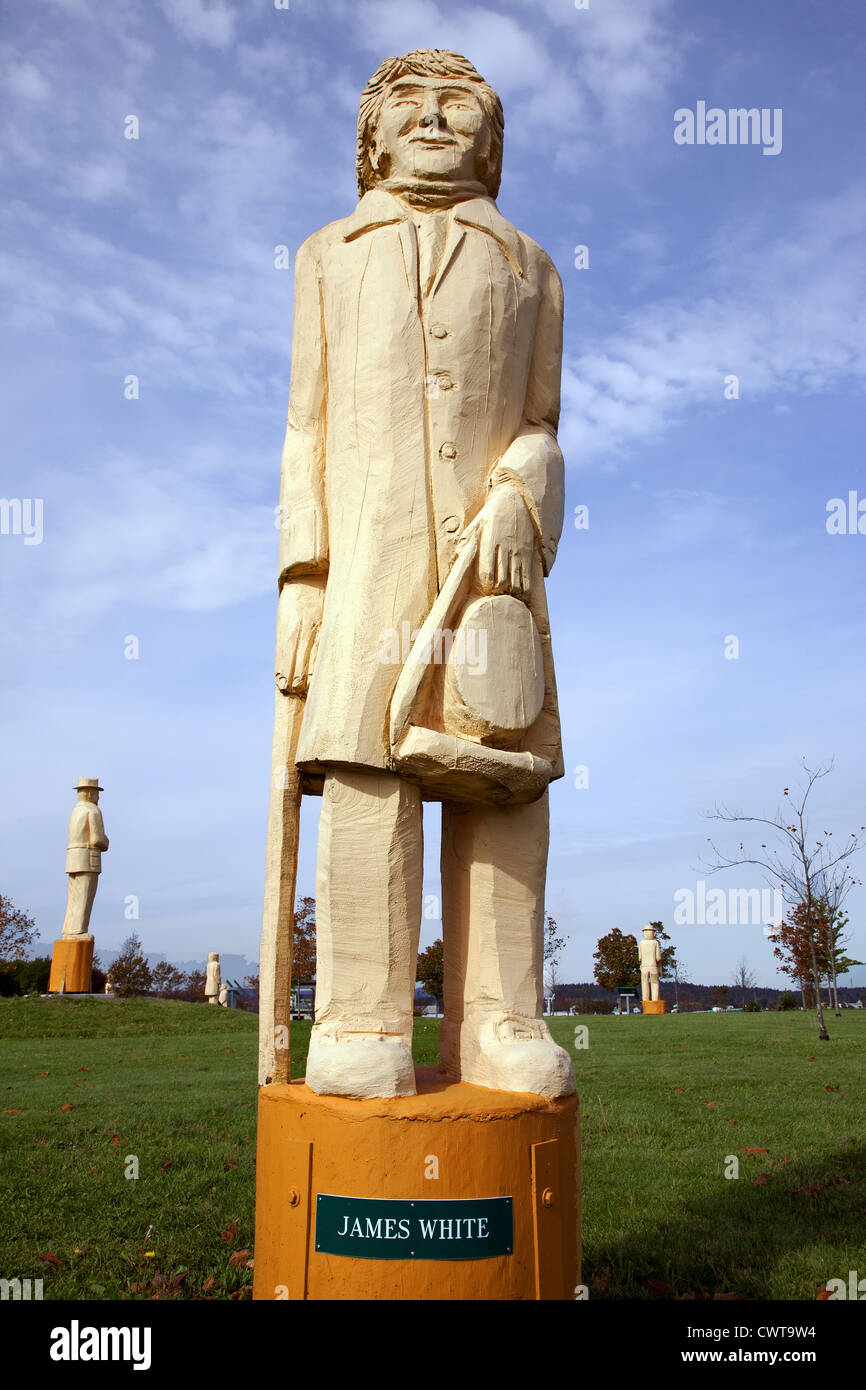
155	258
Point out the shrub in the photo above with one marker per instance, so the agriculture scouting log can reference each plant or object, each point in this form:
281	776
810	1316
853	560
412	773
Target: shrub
25	976
786	1001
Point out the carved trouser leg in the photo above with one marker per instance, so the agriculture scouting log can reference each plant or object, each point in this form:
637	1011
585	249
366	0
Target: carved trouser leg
494	863
79	903
649	984
368	918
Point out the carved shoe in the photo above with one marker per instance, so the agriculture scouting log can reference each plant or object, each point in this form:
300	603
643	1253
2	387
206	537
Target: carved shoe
360	1064
507	1052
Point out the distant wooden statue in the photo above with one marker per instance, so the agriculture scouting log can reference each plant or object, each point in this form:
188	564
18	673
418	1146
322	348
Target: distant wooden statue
650	954
420	510
87	842
213	978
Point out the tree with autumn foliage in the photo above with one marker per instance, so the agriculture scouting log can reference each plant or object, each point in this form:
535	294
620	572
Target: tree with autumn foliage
304	942
431	970
617	964
17	932
668	962
806	870
793	940
129	971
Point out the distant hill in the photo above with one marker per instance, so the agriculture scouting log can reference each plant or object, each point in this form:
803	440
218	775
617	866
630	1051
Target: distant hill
231	967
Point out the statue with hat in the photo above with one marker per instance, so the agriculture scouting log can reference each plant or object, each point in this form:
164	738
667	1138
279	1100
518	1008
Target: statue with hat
87	841
650	958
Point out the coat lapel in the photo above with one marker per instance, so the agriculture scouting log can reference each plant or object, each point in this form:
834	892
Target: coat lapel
379	208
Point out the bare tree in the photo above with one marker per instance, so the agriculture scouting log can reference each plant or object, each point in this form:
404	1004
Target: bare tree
678	974
553	945
834	888
744	978
800	867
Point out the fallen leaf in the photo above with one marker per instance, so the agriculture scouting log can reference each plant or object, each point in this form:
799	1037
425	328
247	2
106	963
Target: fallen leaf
208	1284
168	1164
720	1297
67	1107
84	1068
11	1112
115	1141
679	1090
239	1257
832	1088
761	1180
230	1163
755	1149
822	1294
51	1259
229	1235
710	1103
811	1059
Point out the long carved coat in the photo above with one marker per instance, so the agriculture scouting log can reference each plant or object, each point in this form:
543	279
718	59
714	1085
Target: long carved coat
86	841
405	411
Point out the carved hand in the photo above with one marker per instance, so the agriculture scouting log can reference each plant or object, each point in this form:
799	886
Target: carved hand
506	544
299	619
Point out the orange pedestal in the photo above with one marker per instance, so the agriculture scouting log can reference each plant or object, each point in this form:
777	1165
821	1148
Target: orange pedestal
437	1156
71	964
655	1006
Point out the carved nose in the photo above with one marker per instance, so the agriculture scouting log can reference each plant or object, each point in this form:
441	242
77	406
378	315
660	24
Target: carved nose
430	120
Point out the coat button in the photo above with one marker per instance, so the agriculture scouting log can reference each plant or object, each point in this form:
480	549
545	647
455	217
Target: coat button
450	524
438	330
447	450
445	381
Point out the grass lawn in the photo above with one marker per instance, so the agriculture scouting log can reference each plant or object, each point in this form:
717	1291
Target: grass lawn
666	1103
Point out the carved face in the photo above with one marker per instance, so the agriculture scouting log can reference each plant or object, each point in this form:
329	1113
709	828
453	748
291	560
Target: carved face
431	128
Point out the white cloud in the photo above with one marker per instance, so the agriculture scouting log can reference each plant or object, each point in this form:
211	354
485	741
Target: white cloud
211	23
784	315
25	80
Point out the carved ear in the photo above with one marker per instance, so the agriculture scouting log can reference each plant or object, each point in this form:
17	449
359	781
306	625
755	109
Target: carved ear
483	162
378	156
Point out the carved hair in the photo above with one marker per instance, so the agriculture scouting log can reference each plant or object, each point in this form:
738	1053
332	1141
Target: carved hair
426	62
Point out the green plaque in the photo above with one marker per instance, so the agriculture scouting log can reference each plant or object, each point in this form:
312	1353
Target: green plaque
398	1228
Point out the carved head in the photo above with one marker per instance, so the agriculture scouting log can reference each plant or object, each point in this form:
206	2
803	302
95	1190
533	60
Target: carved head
88	789
429	115
649	933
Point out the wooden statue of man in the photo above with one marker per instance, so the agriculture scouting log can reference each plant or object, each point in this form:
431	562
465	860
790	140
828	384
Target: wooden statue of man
213	978
86	844
421	468
650	954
